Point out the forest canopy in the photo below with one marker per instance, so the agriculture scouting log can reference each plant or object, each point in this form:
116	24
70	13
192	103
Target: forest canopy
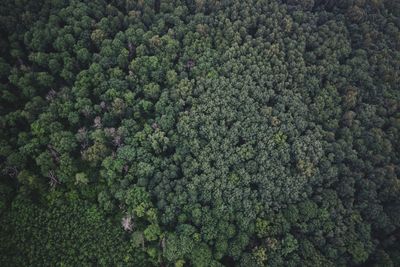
200	133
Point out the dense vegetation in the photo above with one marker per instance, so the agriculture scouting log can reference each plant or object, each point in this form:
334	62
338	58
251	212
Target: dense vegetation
200	133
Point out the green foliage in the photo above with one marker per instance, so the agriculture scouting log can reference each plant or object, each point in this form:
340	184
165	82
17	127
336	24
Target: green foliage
81	178
199	133
76	233
152	232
